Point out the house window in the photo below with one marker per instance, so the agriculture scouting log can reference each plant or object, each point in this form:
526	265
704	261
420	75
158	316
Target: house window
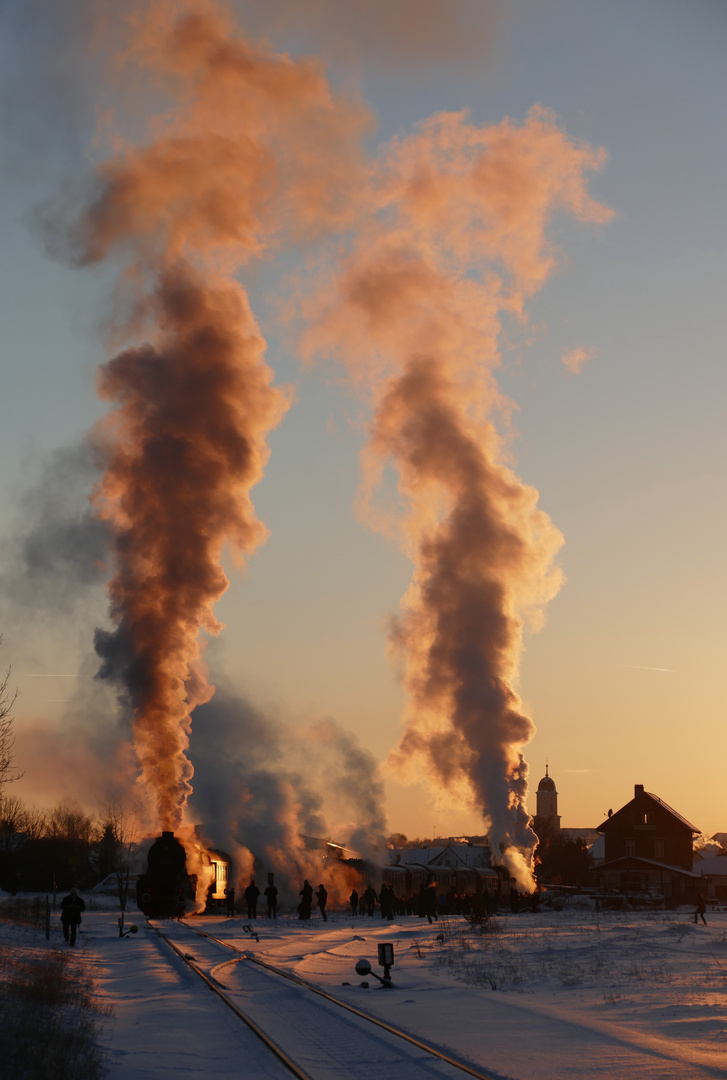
630	847
658	849
647	818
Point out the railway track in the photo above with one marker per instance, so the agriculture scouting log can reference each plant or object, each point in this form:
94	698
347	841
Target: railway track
316	1036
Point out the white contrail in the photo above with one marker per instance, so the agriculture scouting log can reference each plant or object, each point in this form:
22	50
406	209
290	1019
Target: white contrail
642	667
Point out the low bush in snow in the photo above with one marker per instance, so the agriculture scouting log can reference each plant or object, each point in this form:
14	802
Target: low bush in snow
50	1018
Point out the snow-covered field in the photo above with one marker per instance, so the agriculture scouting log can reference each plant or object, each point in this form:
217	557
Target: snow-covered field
539	997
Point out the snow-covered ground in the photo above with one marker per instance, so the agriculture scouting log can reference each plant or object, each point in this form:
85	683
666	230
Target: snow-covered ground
542	996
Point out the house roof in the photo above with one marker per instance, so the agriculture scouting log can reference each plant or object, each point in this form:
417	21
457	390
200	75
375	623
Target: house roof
439	860
648	862
597	850
673	812
404	867
447	855
463	854
660	802
707	851
713	866
421	856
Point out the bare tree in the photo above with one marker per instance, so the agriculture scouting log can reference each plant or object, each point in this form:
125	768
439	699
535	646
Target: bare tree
34	823
120	828
8	767
12	821
69	822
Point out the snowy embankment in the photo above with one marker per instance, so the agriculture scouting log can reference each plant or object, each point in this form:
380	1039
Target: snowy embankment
538	997
50	1011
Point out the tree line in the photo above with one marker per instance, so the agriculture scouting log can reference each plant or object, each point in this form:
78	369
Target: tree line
57	848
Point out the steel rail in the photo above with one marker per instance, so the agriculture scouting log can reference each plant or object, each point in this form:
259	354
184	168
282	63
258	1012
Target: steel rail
351	1008
279	1053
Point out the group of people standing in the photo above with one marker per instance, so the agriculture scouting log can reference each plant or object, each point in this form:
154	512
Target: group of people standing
427	903
305	906
390	904
366	903
251	895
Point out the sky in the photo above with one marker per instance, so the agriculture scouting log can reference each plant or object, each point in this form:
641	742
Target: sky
623	680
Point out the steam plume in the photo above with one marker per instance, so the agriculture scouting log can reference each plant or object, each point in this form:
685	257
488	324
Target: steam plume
57	549
400	36
254	147
415	316
260	787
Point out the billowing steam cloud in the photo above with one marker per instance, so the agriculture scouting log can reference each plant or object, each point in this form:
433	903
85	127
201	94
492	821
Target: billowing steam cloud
58	549
255	146
256	151
395	36
187	446
416	316
261	788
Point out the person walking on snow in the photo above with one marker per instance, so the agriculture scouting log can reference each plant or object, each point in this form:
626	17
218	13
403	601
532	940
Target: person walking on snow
322	897
71	908
701	908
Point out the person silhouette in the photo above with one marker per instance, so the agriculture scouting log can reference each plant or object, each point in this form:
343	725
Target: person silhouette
71	908
306	903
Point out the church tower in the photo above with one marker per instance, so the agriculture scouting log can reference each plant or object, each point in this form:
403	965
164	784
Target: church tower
547	801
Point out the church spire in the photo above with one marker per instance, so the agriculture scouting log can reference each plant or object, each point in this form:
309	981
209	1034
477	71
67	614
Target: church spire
547	799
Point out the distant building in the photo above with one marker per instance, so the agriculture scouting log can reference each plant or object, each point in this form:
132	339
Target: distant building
546	802
547	818
458	866
648	848
597	851
713	872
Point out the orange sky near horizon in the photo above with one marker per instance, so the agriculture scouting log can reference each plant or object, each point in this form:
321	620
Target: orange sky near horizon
618	378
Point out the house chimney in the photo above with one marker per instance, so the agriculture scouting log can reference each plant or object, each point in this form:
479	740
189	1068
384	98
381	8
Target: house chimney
638	789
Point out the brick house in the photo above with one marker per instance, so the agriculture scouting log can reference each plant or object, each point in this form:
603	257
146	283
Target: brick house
648	848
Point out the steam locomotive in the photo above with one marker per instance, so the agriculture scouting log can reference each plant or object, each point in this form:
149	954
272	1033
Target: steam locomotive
161	892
